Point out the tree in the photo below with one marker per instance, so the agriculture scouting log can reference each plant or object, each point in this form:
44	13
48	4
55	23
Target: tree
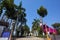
42	12
21	16
13	11
26	30
8	6
36	27
57	27
39	29
35	24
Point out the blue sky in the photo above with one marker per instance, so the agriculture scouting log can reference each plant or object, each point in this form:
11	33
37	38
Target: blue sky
31	6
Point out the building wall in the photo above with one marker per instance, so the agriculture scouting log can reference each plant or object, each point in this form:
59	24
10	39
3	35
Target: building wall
1	29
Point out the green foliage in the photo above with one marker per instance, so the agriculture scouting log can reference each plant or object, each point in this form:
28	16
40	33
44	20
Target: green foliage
21	13
35	24
37	27
1	7
39	30
42	11
26	28
57	26
14	12
10	8
22	19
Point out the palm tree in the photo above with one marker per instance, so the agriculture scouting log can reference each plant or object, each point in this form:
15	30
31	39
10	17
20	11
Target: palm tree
26	29
21	16
35	26
42	12
12	11
10	8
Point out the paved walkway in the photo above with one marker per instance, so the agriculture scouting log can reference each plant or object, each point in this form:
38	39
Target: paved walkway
30	38
3	38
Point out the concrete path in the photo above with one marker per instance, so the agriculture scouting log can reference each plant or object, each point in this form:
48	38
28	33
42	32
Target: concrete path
3	38
30	38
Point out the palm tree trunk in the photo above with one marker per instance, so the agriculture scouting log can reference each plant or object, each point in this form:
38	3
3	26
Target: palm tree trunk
41	20
12	31
11	35
21	28
10	26
16	22
2	15
22	31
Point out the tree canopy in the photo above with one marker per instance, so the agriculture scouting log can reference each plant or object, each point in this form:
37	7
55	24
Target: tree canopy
57	27
42	11
36	27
